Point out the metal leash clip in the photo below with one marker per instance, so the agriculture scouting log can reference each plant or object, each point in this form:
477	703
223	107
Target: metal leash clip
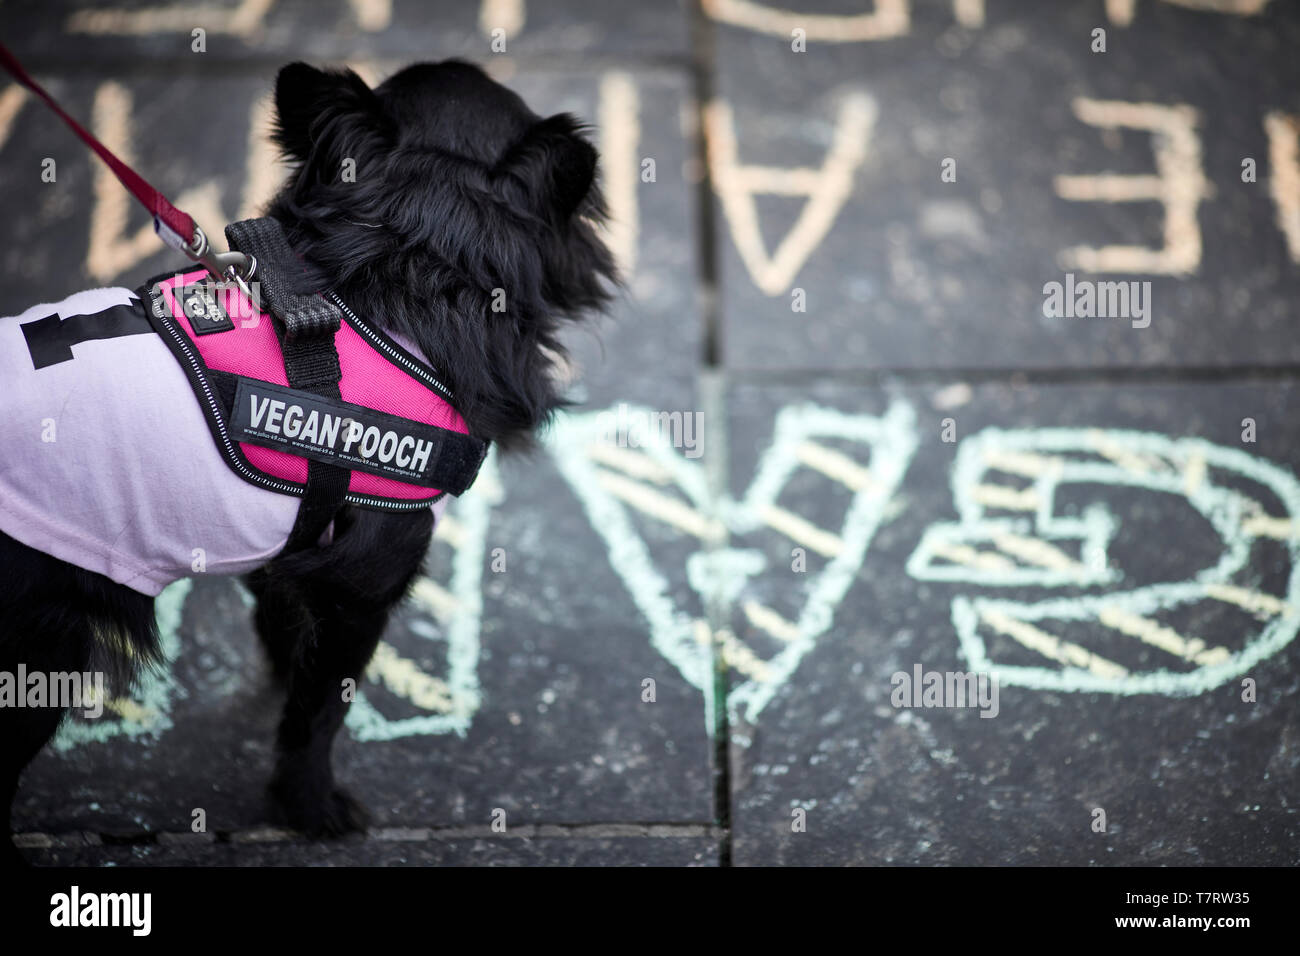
236	267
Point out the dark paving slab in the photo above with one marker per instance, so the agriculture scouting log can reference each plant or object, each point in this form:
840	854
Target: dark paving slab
336	29
431	851
1185	770
917	272
536	708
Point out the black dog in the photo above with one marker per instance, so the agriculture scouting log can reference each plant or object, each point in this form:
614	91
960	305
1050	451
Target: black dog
460	192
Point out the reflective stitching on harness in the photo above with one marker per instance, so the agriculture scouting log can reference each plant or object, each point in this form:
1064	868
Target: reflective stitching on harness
158	295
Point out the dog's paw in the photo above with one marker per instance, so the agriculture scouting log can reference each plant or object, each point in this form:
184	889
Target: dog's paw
326	812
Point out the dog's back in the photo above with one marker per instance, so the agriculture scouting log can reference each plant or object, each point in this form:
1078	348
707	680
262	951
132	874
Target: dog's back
109	464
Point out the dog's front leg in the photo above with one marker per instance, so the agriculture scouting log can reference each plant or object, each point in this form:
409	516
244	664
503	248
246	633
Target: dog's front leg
321	615
325	669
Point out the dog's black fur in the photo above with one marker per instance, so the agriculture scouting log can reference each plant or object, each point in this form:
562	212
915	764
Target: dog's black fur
460	191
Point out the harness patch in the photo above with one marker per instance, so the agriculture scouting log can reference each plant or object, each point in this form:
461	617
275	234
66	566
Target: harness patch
200	305
335	432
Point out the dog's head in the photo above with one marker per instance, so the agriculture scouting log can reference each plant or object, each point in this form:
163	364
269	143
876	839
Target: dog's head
441	207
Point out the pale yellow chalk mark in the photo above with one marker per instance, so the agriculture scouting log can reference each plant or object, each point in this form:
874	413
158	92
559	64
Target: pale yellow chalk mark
888	19
1050	646
771	623
969	13
368	70
1133	462
507	15
1194	473
1026	464
242	21
1120	12
1266	526
372	15
11	102
111	250
1037	552
128	709
1236	8
1159	636
450	530
263	169
835	465
620	135
658	505
435	599
801	531
404	678
634	463
1009	499
827	190
1179	186
734	653
1262	605
1284	177
967	556
952	396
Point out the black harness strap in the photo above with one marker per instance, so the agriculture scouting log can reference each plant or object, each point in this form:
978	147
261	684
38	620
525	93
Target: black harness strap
305	326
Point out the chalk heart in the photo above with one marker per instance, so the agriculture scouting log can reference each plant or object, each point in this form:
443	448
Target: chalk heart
1005	485
653	478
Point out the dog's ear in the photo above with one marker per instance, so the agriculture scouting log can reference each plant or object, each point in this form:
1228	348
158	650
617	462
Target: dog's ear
556	163
304	93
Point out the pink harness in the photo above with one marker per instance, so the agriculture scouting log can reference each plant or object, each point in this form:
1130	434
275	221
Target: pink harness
332	409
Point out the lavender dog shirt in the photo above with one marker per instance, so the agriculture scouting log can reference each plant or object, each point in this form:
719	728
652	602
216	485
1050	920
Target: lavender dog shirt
108	462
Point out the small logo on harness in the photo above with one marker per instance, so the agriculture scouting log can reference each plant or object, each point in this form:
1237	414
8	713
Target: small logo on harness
200	305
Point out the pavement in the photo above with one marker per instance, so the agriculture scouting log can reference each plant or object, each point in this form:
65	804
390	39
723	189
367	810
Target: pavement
877	458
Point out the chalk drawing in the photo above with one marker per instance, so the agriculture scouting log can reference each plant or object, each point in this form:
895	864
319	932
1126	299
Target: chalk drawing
1048	550
888	19
112	249
620	137
1120	12
1179	185
827	189
1283	131
12	101
716	571
245	20
507	15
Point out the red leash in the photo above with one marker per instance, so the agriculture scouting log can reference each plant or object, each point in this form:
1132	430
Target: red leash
174	226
